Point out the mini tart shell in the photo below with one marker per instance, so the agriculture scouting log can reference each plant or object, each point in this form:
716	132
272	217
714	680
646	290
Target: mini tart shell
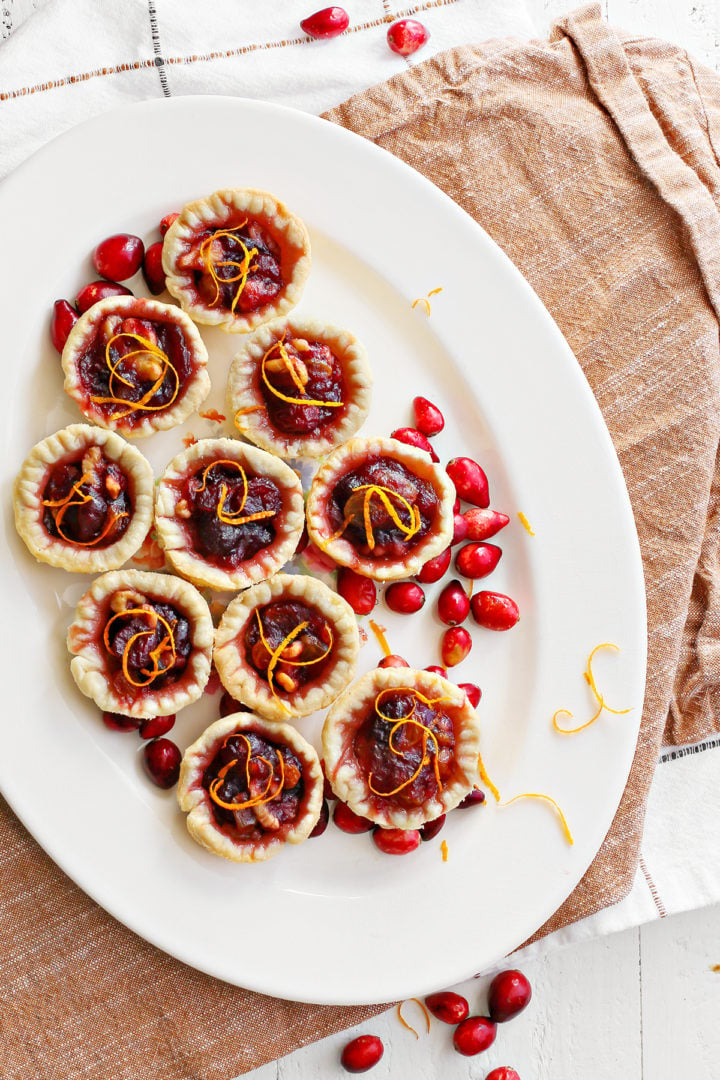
349	457
195	800
89	666
82	336
243	682
245	388
173	535
68	445
217	211
351	710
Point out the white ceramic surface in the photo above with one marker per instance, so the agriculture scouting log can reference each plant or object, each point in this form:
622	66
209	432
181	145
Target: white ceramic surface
332	920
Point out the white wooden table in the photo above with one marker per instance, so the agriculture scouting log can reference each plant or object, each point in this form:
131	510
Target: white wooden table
639	1005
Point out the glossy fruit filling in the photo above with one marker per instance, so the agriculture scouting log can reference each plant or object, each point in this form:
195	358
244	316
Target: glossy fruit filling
405	747
147	641
289	644
87	502
296	378
254	786
237	267
382	508
230	514
135	368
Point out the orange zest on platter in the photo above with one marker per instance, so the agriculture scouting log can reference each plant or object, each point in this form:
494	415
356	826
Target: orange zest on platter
486	779
426	300
602	704
243	267
213	414
148	347
525	523
189	440
444	850
545	798
379	632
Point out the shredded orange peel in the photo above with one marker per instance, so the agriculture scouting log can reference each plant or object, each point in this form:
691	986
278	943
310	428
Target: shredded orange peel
426	300
385	495
276	655
167	644
403	1021
255	800
61	506
243	267
142	405
525	523
545	798
602	704
292	371
427	734
379	632
482	771
234	517
444	850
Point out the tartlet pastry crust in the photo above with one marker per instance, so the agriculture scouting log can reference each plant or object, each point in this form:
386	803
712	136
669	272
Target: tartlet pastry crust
245	388
196	802
243	682
173	534
344	770
70	444
218	211
91	668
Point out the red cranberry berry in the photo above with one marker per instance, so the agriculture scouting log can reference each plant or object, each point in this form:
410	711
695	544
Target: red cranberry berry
63	319
448	1006
322	822
407	36
430	829
350	822
167	221
472	692
404	597
494	611
328	792
118	722
477	560
455	645
161	759
509	994
326	23
475	798
504	1072
156	725
396	841
428	418
470	481
393	660
359	591
98	290
473	1035
453	604
303	541
484	523
152	269
435	568
362	1053
411	437
118	257
437	670
460	529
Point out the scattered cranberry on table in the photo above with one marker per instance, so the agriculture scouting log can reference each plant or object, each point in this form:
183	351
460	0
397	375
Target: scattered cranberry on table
428	418
118	722
435	568
118	257
407	36
161	759
404	597
411	437
156	725
455	646
167	221
152	269
470	481
362	1053
477	560
474	1034
350	822
393	660
359	591
460	529
494	611
437	670
508	995
430	829
63	319
396	841
99	290
472	692
453	605
484	523
504	1072
448	1006
475	798
326	23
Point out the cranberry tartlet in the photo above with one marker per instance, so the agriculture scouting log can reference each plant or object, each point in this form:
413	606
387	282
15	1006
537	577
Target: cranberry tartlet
227	514
135	366
236	259
249	787
381	508
287	647
84	500
401	747
299	388
141	643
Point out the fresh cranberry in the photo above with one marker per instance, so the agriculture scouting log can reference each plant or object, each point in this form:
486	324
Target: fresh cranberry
98	290
504	1072
453	604
470	481
411	437
477	560
303	541
152	269
396	841
359	591
456	507
447	1006
118	257
460	529
455	645
229	705
362	1053
350	822
404	597
484	523
475	798
167	221
407	36
326	23
63	319
473	1035
472	692
435	568
437	670
428	418
118	722
322	822
494	611
509	994
162	758
156	725
328	792
393	660
430	829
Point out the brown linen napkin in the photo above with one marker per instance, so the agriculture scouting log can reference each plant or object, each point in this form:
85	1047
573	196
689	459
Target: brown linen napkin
594	164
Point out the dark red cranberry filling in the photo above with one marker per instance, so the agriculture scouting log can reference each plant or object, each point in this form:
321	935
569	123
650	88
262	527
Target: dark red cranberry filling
386	770
252	822
325	382
395	477
137	635
264	280
95	513
311	644
221	493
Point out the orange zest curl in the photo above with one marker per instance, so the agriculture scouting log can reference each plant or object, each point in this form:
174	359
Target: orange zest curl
385	495
234	517
292	371
427	734
167	644
525	523
486	779
213	414
59	507
147	347
403	1021
188	441
545	798
276	655
379	632
265	796
426	300
602	705
243	267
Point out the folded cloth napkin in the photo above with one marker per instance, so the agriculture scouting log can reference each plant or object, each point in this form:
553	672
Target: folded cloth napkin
593	161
